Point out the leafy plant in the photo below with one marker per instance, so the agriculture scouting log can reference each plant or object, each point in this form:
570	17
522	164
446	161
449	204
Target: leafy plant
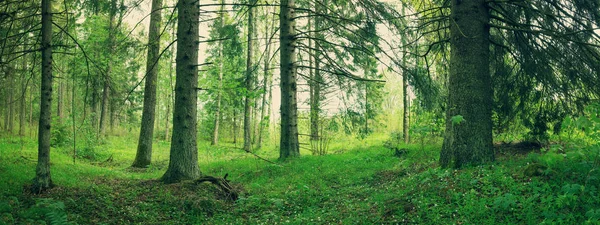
457	120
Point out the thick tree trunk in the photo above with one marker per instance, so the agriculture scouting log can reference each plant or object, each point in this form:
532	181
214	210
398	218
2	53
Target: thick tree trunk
470	93
183	163
288	144
215	137
143	157
43	180
249	80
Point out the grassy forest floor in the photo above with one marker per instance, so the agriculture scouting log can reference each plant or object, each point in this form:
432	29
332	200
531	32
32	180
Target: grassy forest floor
365	184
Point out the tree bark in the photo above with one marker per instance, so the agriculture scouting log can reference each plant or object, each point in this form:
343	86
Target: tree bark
470	93
43	180
183	163
249	80
215	137
143	157
288	144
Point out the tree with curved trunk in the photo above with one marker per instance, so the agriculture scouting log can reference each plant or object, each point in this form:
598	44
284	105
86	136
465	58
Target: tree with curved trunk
183	161
43	180
468	140
288	144
143	157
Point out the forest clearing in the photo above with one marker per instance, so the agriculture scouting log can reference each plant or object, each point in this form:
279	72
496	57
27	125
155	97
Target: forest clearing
299	112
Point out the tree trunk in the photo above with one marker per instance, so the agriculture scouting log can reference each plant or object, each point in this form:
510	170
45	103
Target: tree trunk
249	80
94	105
267	77
23	97
106	84
215	137
315	85
235	126
59	102
470	93
288	144
405	96
143	157
171	90
11	108
405	99
183	163
43	180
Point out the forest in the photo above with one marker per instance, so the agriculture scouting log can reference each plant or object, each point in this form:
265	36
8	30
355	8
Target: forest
299	111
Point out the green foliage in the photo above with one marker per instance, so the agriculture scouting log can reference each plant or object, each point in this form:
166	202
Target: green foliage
61	135
456	120
47	209
358	182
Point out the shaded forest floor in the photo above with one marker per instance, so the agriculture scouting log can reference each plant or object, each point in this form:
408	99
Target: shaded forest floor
363	185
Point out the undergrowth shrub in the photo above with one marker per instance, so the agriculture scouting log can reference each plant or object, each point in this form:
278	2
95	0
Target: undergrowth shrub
48	210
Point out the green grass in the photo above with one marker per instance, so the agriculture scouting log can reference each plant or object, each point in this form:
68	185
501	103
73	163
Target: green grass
361	183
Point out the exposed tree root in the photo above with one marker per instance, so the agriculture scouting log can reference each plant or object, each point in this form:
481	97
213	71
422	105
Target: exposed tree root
223	185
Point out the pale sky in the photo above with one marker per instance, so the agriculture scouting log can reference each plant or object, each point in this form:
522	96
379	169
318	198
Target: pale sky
334	106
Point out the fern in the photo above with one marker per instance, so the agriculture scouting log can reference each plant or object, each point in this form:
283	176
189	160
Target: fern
55	211
56	217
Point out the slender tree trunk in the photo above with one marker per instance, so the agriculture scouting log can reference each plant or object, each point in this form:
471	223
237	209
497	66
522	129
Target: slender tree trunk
31	125
11	108
43	180
289	145
314	117
3	92
171	89
106	84
235	126
143	157
183	163
59	102
470	94
366	108
94	105
315	87
267	77
22	102
405	100
215	137
249	80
